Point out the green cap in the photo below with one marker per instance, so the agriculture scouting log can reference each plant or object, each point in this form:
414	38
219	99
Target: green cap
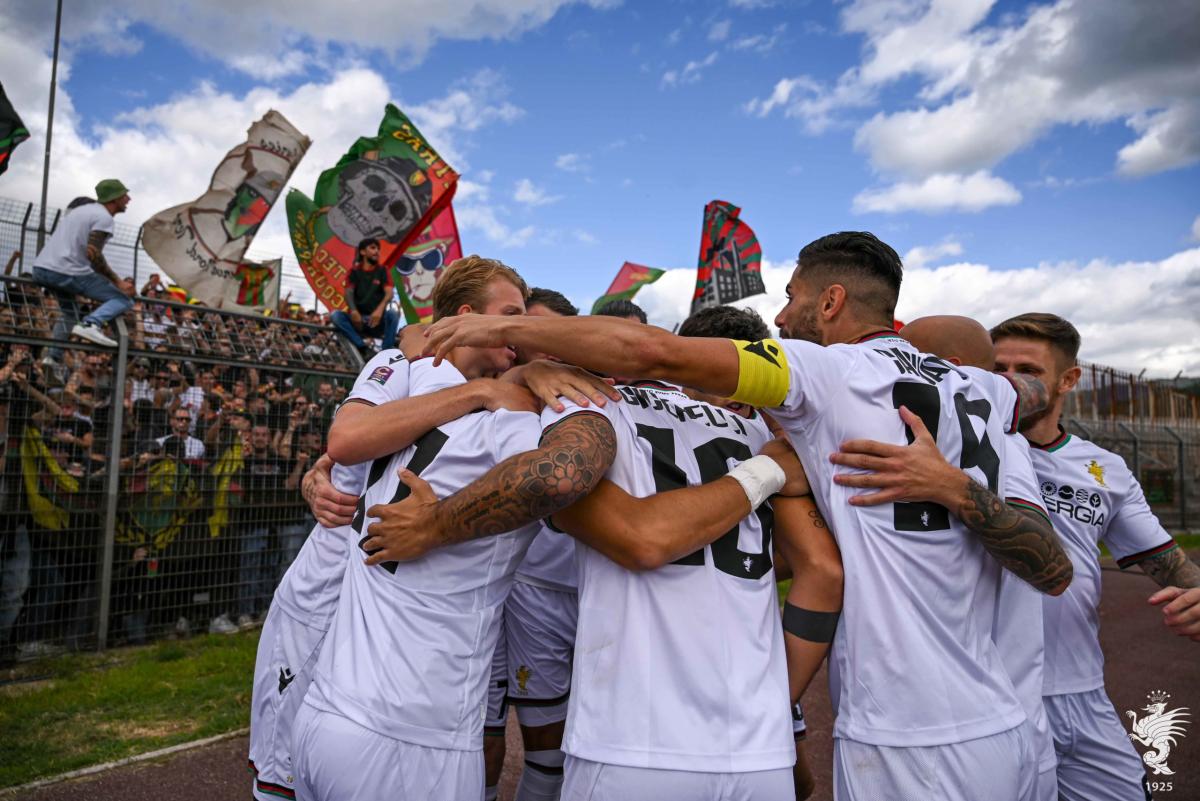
110	189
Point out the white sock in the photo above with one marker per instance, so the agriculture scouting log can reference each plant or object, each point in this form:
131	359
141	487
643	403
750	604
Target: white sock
542	778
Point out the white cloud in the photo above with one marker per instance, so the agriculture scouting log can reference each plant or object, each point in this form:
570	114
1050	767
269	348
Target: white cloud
484	220
273	30
584	237
1123	335
531	195
1169	139
937	193
924	255
1196	229
719	31
760	42
572	162
690	73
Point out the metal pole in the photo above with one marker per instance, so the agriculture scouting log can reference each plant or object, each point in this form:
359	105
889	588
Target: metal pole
112	481
136	246
24	230
1183	487
1137	455
49	127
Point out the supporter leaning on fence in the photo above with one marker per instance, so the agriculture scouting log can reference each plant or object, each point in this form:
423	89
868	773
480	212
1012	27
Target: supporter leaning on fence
72	263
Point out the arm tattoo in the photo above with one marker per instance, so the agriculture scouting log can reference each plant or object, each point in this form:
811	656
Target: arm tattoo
817	519
1032	395
1023	542
95	254
1172	569
573	457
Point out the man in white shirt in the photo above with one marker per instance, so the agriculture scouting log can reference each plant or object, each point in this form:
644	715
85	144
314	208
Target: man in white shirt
72	263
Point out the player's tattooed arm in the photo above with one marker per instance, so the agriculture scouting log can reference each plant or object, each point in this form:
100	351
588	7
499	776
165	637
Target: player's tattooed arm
1022	541
1172	569
569	463
95	255
1032	395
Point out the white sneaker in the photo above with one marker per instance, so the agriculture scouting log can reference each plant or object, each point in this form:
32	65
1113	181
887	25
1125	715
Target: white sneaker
221	625
92	333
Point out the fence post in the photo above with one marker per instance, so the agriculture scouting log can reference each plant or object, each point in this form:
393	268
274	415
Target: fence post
1183	487
136	246
1137	451
1074	421
112	481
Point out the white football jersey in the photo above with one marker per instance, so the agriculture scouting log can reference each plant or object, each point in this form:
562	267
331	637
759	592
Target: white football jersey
309	589
550	562
409	652
912	663
680	668
1017	617
1091	496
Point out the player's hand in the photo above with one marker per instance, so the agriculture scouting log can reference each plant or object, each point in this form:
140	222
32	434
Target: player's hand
550	380
464	330
406	530
916	472
1182	611
373	320
781	451
507	395
412	341
330	507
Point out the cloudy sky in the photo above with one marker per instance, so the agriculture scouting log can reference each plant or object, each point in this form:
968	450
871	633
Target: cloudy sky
1039	156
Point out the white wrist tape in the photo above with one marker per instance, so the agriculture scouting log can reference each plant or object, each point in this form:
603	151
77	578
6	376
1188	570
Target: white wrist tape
760	478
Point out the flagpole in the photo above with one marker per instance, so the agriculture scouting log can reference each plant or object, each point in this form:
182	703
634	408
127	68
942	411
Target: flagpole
49	127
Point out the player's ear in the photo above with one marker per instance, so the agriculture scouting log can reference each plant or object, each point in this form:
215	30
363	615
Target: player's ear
1069	378
957	362
466	308
833	300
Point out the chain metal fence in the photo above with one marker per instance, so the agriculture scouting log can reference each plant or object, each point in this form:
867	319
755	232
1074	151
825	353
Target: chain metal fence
152	490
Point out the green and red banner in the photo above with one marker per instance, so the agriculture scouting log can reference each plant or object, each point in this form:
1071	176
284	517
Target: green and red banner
12	131
630	278
730	258
389	187
202	244
421	264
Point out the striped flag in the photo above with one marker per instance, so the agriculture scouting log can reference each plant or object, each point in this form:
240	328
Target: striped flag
730	258
12	131
630	278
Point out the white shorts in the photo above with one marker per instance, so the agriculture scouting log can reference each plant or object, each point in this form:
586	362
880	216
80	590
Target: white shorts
596	781
497	692
287	652
336	759
1096	760
1000	767
539	626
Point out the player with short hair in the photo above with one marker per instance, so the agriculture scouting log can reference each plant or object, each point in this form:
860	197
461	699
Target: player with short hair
624	309
1092	497
912	570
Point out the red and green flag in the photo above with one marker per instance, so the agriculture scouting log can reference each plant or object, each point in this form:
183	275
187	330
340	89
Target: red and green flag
630	278
389	187
12	131
730	258
421	264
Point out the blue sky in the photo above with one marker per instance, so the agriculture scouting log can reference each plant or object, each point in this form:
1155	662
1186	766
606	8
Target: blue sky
1013	139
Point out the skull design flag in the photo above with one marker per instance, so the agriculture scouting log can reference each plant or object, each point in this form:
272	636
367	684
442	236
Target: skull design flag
388	187
12	131
420	266
202	244
630	278
730	258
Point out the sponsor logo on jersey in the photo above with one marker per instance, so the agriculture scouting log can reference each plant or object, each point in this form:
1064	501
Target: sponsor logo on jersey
286	677
1096	471
523	674
1080	504
381	374
1158	730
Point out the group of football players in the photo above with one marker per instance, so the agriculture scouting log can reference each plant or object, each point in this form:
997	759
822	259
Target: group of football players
586	517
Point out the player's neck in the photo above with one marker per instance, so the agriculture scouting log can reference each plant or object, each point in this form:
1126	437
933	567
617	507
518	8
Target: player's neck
855	331
1045	430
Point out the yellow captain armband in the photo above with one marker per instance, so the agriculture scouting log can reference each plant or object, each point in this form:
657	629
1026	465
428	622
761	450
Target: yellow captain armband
763	377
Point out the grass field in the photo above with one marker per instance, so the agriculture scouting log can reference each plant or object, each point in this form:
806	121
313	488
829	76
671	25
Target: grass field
84	709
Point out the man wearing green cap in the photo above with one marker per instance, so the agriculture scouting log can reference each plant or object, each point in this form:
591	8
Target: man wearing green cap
72	263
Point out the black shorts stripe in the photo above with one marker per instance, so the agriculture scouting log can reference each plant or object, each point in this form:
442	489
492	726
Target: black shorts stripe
517	701
547	769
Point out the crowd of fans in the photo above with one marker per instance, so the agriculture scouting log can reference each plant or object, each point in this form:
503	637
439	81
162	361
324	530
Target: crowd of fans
216	433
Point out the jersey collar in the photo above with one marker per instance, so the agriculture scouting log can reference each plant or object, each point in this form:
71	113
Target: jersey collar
1050	447
882	333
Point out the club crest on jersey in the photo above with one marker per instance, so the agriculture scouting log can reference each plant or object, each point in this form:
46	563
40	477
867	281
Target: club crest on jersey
1096	471
1158	730
523	674
381	374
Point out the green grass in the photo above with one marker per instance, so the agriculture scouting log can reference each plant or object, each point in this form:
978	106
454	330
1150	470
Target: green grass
85	709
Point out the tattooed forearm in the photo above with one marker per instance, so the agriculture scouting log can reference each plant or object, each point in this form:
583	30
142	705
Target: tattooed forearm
1032	396
573	457
1172	569
95	254
1023	542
